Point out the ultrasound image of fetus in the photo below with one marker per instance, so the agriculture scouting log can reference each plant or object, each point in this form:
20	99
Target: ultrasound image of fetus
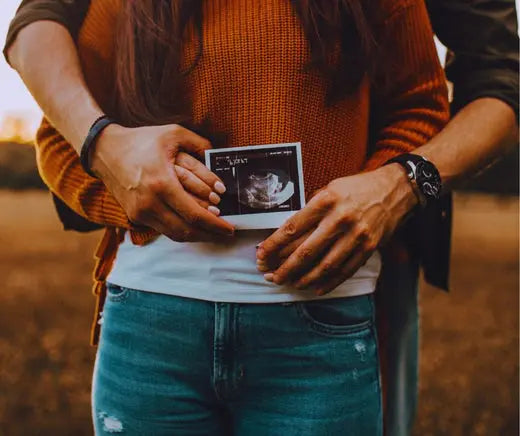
265	189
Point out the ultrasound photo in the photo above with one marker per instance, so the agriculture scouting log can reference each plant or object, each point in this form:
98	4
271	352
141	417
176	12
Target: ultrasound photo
264	183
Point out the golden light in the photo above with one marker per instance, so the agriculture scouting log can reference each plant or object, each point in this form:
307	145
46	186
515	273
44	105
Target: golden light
14	128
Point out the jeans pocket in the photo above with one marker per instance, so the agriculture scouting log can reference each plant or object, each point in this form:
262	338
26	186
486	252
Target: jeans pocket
338	316
117	293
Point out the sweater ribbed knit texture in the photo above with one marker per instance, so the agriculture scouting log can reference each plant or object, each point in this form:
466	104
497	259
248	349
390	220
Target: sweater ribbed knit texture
250	83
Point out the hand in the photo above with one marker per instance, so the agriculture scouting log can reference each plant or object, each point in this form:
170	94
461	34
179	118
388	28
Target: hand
137	166
199	181
338	230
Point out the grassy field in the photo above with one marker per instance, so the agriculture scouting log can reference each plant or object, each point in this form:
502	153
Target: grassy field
469	361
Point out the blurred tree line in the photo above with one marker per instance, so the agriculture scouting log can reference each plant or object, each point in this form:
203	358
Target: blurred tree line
18	166
18	171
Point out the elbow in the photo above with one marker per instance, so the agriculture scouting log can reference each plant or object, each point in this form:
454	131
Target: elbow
12	54
32	42
18	49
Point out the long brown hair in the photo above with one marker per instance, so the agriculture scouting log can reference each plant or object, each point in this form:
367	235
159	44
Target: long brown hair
149	40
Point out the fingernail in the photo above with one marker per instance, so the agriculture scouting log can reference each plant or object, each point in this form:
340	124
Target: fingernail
269	277
262	268
219	187
260	253
214	210
214	198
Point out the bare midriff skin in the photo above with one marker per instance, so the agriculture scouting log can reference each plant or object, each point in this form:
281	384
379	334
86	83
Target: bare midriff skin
358	212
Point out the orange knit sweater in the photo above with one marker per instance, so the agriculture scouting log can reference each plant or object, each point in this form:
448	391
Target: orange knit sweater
250	84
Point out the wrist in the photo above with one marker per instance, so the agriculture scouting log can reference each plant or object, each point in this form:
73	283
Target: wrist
104	149
400	197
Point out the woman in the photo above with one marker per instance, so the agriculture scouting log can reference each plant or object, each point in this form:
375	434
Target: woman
183	349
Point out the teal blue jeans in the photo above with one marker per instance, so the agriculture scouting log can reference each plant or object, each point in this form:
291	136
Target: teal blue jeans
169	365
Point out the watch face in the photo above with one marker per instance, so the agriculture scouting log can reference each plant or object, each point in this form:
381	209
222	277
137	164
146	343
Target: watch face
428	179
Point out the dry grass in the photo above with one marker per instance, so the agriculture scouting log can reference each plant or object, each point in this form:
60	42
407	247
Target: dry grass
469	360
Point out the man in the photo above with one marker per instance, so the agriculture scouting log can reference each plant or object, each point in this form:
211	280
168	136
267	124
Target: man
483	37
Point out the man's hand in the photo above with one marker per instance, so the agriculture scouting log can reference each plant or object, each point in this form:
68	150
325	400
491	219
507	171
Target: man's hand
338	230
146	172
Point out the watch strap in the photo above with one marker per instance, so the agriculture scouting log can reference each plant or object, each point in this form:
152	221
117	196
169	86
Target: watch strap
408	162
90	141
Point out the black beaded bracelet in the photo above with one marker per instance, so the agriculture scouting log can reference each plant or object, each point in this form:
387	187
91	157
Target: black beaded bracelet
90	141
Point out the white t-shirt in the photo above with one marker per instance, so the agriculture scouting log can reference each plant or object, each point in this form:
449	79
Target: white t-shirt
214	272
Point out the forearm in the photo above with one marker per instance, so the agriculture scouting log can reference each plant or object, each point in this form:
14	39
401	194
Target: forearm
46	58
483	131
62	172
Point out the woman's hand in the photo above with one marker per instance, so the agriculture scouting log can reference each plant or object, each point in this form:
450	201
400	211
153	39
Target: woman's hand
338	230
137	166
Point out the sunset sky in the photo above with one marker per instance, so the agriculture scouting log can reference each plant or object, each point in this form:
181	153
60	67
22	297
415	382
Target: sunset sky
15	100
